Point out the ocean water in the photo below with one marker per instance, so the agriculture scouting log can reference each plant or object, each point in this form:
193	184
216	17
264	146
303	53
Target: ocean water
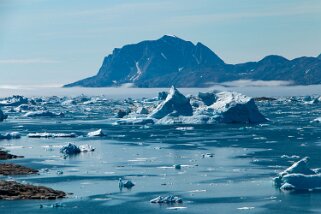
237	179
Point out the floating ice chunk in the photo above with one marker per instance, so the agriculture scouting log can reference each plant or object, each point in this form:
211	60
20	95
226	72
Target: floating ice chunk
97	133
69	103
317	120
42	113
128	184
70	149
300	167
9	136
53	135
232	107
175	104
86	148
167	200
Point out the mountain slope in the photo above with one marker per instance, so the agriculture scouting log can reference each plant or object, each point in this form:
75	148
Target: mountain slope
173	61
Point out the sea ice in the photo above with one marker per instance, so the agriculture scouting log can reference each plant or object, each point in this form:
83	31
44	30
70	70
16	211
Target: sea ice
53	135
42	113
167	200
9	136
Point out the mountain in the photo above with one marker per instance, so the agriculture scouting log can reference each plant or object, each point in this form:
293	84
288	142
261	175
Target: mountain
174	61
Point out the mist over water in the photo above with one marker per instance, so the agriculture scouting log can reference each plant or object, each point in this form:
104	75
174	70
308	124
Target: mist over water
124	92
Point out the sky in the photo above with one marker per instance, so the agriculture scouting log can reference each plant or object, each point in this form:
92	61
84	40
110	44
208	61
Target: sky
54	42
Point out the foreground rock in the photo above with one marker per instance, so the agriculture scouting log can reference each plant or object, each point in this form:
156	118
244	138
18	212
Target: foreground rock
298	177
14	169
4	155
11	190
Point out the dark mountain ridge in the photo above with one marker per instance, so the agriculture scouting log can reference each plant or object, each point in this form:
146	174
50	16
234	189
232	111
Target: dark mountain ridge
174	61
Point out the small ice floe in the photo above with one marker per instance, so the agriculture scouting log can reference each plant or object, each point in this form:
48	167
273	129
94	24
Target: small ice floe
127	184
86	148
298	177
188	128
52	135
9	136
97	133
317	120
167	200
245	208
43	113
290	157
208	155
70	149
176	208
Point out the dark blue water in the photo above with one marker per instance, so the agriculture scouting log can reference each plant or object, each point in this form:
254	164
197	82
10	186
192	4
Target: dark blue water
238	179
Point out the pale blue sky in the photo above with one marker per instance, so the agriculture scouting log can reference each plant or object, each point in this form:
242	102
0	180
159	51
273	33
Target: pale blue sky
60	41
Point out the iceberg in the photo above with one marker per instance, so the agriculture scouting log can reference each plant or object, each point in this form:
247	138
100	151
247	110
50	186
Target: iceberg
97	133
298	177
175	104
70	149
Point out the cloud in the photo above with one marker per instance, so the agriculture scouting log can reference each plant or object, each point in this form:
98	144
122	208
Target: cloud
28	61
256	83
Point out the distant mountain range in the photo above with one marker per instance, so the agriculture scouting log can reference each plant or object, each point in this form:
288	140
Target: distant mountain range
174	61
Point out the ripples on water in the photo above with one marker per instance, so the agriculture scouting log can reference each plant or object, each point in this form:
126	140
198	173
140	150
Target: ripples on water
237	179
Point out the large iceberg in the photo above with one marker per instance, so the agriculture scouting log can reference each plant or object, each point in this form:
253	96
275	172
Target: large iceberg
298	177
207	108
175	104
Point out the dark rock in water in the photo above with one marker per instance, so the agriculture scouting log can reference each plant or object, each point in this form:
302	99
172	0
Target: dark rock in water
15	169
4	155
122	113
174	61
175	104
11	190
2	116
259	99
